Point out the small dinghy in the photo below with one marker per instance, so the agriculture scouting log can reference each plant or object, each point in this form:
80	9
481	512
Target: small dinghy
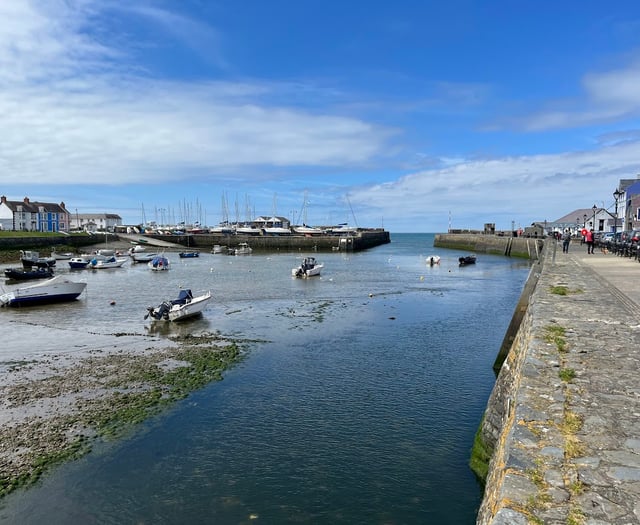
432	260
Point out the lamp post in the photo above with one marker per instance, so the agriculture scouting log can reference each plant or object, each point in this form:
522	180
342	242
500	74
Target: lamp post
595	209
577	225
584	222
616	195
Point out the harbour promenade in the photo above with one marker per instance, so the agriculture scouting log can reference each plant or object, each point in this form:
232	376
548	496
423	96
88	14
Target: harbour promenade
564	415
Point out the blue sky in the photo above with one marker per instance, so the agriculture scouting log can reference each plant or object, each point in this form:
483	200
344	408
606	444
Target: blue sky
413	115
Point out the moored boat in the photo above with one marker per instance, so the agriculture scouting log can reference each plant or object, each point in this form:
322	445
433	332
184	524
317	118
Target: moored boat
111	262
31	258
189	254
308	268
78	263
22	274
55	290
143	257
242	249
467	259
432	260
159	264
65	256
184	307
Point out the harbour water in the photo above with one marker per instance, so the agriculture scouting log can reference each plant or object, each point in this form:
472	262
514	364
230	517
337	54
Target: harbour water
357	403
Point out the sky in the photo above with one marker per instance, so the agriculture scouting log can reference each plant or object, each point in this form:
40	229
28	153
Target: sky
412	115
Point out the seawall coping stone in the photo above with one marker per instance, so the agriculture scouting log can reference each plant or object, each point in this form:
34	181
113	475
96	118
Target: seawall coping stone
568	448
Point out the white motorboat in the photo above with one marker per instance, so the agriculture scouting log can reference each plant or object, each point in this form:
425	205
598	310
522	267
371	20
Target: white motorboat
276	230
432	260
110	262
159	264
307	230
184	307
55	290
308	268
243	249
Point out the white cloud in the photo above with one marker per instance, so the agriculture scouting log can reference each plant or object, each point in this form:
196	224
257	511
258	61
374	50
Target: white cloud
551	185
71	114
608	96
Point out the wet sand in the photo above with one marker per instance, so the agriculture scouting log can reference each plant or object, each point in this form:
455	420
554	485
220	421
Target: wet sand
53	407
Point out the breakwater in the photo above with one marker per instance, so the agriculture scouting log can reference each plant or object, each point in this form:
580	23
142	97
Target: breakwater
363	239
525	247
561	424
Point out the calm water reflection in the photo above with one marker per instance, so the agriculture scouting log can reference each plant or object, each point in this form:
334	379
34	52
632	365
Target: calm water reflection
361	407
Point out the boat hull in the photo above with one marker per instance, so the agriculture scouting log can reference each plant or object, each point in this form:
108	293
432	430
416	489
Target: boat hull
18	274
54	290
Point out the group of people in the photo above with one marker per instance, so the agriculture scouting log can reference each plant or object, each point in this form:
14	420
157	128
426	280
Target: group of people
588	237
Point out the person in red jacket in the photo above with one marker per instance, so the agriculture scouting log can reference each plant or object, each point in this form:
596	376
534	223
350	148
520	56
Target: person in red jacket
589	239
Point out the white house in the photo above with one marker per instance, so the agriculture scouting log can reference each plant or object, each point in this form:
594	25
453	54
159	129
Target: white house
25	215
95	221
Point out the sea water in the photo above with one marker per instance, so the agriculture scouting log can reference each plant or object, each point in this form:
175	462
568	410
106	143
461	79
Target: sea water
357	403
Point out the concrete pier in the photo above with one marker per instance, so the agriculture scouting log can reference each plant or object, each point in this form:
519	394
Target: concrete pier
563	420
363	239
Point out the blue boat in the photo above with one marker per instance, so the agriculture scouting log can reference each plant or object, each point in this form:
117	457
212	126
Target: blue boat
189	255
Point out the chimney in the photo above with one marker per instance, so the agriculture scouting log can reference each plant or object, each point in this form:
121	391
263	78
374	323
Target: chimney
62	205
26	200
3	199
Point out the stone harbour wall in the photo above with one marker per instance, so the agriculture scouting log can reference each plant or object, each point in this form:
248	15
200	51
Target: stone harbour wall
525	247
562	425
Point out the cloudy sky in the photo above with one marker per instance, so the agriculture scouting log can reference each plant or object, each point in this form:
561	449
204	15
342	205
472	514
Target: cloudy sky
414	115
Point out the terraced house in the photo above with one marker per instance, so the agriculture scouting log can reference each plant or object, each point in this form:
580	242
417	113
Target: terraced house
25	215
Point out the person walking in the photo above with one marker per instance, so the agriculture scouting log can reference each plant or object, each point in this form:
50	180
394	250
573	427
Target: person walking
589	239
566	239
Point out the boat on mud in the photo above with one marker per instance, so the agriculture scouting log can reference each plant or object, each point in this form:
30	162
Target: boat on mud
55	290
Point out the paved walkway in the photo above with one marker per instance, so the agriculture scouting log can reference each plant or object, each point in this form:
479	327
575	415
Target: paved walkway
597	479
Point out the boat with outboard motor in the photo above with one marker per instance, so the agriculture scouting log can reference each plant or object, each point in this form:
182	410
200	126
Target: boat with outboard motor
184	307
308	268
55	290
432	260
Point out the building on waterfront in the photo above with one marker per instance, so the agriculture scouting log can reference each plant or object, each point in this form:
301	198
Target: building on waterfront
92	222
25	215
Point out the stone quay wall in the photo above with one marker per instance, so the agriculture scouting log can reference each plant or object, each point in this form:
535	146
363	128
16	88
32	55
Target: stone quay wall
361	240
562	425
525	247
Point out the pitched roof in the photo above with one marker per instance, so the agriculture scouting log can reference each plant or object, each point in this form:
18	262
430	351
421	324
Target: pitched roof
579	214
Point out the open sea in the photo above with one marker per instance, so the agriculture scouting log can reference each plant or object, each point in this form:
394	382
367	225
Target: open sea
358	405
